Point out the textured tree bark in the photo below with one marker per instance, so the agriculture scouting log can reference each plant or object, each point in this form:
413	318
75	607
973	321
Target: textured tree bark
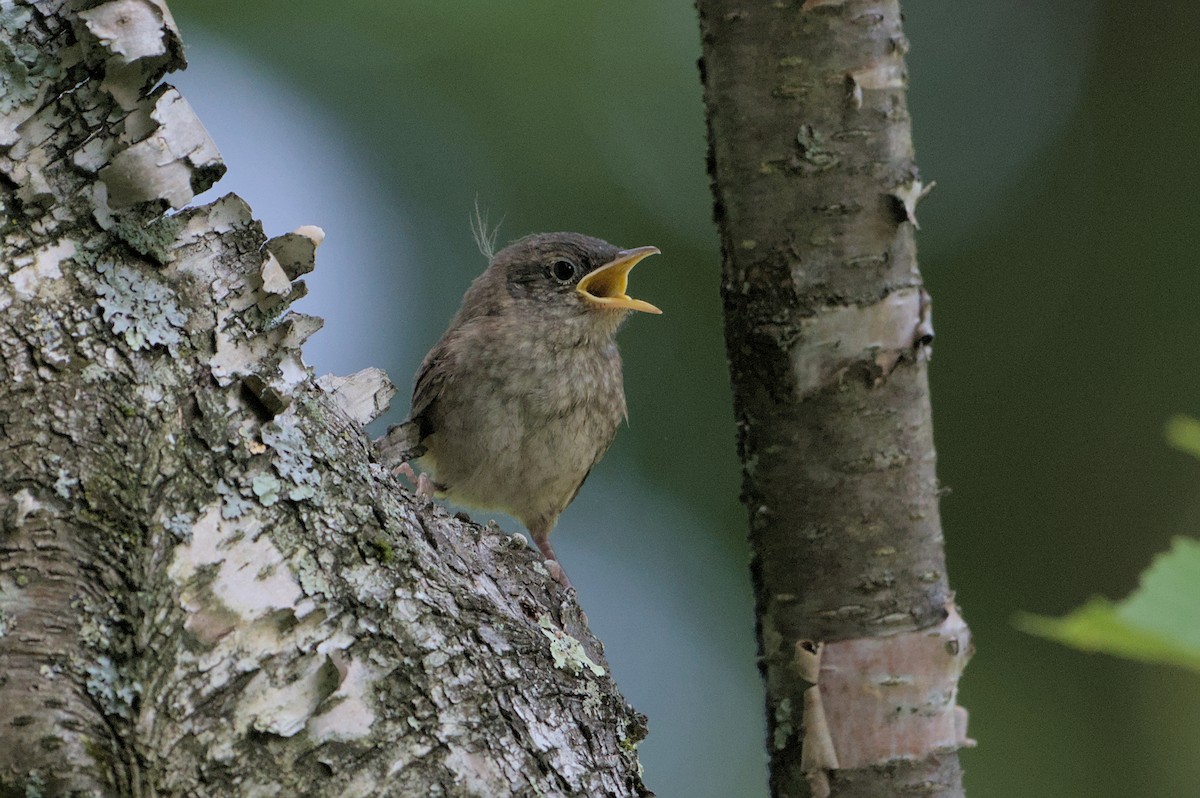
828	336
208	585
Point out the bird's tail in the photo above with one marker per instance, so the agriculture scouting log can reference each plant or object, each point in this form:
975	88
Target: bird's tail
400	444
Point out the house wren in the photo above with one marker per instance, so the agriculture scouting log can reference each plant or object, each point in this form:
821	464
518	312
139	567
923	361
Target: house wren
523	393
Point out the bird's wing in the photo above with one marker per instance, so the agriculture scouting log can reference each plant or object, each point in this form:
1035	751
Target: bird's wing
403	442
428	386
430	381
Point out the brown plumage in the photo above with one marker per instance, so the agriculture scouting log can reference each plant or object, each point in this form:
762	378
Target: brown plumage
523	393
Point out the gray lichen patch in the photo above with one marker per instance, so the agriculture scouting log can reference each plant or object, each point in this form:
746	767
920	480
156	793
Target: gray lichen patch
266	488
34	785
233	504
139	308
154	239
65	483
180	526
311	575
567	652
291	457
783	724
111	687
592	702
26	72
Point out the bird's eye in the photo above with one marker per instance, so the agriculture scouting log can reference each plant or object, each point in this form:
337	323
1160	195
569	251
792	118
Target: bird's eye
563	270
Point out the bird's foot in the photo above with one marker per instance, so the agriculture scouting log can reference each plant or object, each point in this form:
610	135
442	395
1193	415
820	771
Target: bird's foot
559	575
422	482
552	565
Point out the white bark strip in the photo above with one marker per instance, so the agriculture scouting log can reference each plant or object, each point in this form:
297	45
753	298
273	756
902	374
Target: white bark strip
363	396
837	337
161	165
879	699
130	29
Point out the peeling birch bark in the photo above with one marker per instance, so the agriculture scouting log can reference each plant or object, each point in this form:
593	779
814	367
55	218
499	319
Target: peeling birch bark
828	332
889	698
835	338
208	583
363	396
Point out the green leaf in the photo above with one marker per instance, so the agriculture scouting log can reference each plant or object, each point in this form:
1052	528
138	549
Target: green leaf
1158	622
1183	432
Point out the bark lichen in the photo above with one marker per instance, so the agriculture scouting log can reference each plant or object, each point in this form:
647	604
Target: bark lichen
568	653
27	72
139	308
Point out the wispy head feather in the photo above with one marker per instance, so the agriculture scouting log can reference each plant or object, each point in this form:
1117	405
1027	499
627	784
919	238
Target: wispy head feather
485	235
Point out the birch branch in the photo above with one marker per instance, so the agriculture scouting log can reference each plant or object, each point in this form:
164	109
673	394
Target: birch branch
208	584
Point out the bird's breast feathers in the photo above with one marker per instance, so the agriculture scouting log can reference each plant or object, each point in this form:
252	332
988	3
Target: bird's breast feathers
521	432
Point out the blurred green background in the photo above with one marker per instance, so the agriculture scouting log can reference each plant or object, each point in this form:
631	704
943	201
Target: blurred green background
1060	247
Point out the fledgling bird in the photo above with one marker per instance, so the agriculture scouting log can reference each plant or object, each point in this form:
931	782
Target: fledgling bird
523	394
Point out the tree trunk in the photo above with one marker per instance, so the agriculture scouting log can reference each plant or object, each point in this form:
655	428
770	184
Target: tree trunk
208	585
828	337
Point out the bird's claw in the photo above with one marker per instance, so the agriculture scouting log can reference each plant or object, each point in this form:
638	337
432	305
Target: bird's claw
558	574
422	482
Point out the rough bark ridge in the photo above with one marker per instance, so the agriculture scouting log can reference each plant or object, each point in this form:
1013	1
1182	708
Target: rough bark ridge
828	334
208	585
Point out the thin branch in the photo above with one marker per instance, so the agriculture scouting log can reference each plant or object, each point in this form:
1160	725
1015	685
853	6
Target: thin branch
828	334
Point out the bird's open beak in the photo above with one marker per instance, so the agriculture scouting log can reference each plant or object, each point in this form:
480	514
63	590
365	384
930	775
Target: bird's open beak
606	286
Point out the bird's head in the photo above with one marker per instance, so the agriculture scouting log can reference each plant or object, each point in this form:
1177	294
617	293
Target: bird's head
568	278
